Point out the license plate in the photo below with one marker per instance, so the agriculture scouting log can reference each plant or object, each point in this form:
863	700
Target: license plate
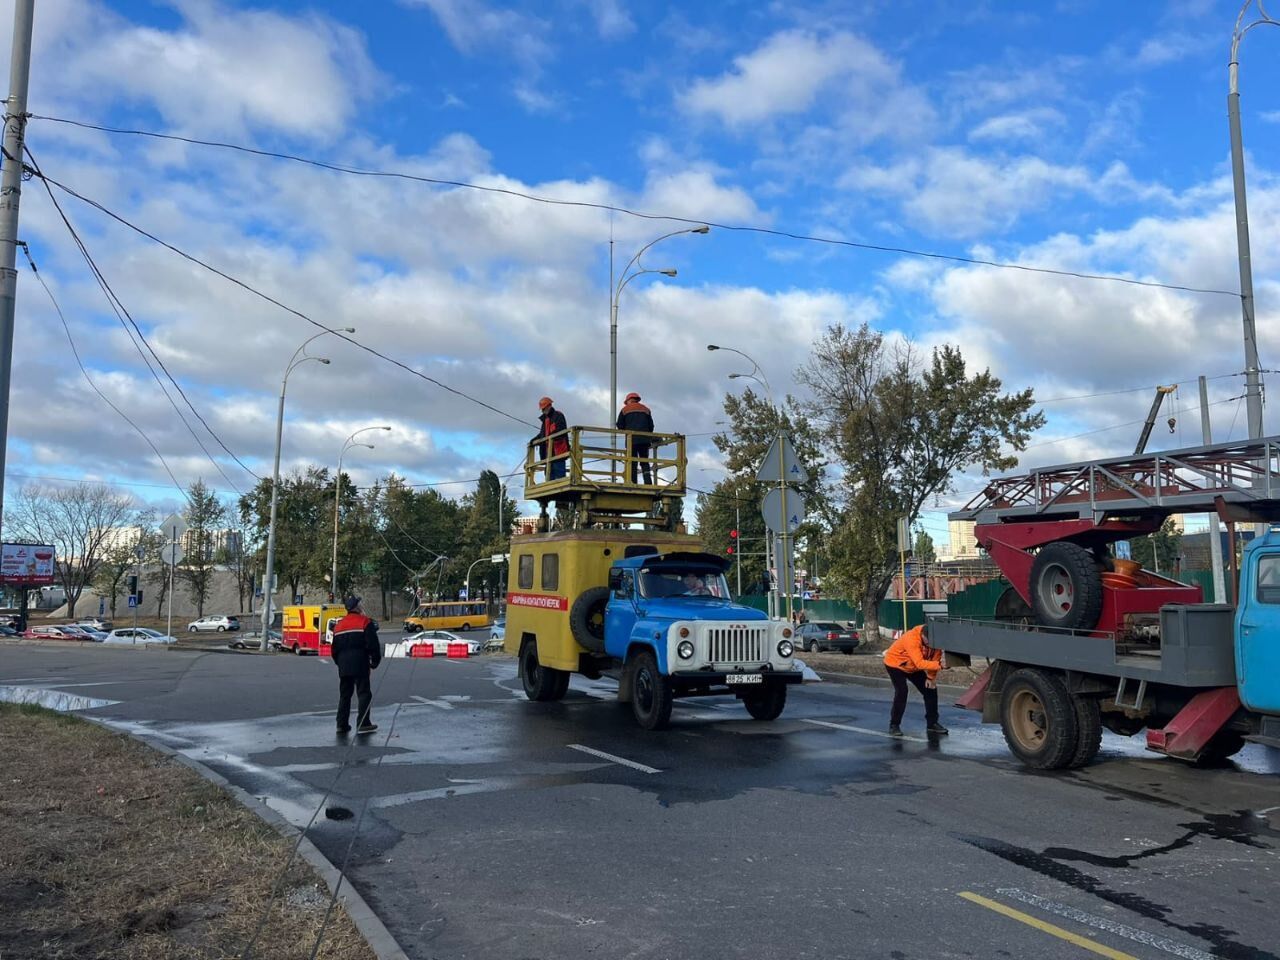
744	678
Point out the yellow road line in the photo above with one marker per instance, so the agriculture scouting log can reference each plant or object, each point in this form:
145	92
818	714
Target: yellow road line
1048	928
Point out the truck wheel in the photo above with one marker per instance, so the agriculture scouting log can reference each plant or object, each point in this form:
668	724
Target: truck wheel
1089	737
1038	719
586	619
562	685
1225	743
766	704
540	683
650	692
1066	589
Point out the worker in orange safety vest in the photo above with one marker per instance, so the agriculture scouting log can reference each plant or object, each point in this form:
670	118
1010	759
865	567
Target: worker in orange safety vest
910	658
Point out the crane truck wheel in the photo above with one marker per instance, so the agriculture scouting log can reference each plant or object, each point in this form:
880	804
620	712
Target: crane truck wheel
586	618
1066	588
766	704
540	683
1038	719
1089	737
651	692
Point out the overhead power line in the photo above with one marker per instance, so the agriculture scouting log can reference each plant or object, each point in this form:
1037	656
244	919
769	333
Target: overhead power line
272	300
642	215
89	380
122	313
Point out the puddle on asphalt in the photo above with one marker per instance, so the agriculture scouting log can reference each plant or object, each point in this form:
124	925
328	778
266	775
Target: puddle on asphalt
52	699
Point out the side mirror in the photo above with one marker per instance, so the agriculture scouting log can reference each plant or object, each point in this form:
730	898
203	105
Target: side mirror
615	581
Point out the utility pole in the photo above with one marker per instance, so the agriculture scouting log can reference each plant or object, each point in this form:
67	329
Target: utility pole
1215	533
1253	380
15	123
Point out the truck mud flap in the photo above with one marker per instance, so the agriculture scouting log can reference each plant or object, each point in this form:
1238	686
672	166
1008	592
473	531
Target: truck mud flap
973	698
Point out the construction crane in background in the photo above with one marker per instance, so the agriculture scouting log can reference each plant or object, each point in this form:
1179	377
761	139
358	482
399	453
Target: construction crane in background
1161	393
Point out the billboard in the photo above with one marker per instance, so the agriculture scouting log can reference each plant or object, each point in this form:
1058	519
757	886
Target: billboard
26	563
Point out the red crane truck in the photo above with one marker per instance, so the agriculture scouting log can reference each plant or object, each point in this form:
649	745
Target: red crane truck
1084	640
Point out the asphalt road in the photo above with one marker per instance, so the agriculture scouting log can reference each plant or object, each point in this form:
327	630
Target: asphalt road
491	827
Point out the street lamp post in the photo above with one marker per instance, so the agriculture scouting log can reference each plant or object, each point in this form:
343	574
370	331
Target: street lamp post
627	276
299	357
467	582
782	547
1253	382
337	496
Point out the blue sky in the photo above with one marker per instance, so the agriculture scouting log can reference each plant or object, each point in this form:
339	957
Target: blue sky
1084	136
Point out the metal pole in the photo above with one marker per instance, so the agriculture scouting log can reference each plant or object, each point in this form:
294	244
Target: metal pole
1253	384
902	557
269	586
15	122
613	337
173	541
1215	531
737	519
337	490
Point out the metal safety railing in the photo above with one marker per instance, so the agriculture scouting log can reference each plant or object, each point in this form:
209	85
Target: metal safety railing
595	459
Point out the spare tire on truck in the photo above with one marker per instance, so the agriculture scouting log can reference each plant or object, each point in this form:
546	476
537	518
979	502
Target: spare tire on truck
1066	588
586	618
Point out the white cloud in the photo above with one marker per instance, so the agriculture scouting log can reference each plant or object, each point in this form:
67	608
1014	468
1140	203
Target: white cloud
611	17
221	68
1270	116
785	76
1029	125
1170	48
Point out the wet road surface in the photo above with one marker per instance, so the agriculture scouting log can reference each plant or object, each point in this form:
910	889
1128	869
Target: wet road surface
491	827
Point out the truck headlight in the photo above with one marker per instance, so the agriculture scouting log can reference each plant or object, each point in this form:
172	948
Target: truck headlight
685	650
785	649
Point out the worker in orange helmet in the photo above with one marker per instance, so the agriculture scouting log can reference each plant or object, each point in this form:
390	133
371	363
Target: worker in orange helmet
637	420
910	658
553	422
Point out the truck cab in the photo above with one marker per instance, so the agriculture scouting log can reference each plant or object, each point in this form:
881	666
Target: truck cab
1257	626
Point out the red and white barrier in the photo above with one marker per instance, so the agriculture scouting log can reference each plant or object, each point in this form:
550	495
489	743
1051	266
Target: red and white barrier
456	650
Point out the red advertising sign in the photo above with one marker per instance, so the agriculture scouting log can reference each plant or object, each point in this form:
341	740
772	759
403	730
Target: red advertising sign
26	563
533	600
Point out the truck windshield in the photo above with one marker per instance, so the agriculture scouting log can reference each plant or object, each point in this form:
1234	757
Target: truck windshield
704	584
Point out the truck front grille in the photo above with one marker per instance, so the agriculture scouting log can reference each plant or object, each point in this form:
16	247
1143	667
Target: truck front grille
738	644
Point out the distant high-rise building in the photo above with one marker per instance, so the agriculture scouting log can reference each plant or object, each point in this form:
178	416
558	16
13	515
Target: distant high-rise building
964	544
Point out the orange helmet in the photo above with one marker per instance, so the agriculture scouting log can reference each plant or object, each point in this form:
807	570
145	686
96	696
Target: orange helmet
544	403
633	396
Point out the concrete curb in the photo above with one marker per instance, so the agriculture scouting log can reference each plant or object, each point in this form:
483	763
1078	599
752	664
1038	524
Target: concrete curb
373	930
947	689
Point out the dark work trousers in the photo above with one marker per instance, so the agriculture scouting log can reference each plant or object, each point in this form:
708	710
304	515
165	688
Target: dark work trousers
900	678
364	697
639	451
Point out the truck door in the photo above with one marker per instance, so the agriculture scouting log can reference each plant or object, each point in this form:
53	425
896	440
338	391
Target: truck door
1258	633
620	615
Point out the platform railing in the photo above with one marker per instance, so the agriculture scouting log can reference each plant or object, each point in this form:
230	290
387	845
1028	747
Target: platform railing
605	459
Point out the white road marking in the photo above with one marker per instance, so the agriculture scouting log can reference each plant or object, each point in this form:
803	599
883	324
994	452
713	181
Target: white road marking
612	759
1110	926
1263	813
442	704
868	732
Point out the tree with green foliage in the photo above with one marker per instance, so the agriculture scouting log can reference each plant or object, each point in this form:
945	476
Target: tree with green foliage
900	426
120	560
922	549
303	537
1159	550
734	504
206	517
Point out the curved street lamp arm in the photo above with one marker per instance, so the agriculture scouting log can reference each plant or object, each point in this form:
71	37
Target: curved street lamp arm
639	253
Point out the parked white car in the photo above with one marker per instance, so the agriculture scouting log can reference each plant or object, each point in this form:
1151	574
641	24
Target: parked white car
137	635
213	624
96	623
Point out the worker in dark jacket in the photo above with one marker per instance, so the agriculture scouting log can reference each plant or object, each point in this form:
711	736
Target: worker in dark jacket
553	422
635	416
356	651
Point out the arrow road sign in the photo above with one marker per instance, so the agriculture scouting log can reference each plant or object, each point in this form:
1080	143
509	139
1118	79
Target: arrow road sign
778	520
782	464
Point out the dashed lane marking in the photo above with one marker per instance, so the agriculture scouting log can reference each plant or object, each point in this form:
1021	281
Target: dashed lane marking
1091	945
612	759
867	731
1111	926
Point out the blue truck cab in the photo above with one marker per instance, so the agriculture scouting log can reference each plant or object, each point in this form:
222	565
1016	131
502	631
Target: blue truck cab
1257	626
669	621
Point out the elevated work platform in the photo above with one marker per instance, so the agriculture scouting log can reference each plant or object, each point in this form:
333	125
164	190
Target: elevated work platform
602	476
1240	481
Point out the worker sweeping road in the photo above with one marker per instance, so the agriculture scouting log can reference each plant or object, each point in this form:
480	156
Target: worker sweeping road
910	658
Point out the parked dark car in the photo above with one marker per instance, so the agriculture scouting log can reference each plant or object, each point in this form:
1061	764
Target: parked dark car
827	635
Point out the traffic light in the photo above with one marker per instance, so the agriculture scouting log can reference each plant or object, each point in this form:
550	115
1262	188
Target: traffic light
733	536
133	585
729	550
